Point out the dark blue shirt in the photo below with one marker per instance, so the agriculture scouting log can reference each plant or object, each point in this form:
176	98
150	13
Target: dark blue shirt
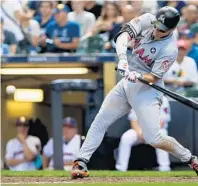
44	26
65	34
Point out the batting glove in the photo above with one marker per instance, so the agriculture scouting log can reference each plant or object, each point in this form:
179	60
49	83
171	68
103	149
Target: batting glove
123	67
133	76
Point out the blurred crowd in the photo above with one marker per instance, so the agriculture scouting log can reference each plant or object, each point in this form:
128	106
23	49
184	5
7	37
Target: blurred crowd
68	26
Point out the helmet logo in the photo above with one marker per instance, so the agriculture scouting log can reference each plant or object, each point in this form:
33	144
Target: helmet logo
161	18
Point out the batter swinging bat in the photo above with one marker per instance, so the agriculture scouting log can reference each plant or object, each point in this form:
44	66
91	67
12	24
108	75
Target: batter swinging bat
181	99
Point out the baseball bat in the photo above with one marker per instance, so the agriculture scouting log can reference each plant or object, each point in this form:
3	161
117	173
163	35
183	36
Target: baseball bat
186	101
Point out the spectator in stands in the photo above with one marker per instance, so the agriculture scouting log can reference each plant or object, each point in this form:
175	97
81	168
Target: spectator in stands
190	16
61	35
194	49
13	13
108	24
31	31
93	7
134	136
45	16
22	151
71	145
34	6
176	4
8	38
128	13
183	72
85	19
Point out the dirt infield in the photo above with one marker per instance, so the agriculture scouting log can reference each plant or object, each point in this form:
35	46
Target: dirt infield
5	179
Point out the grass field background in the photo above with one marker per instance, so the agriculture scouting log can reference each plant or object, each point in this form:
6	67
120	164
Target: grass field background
50	173
104	175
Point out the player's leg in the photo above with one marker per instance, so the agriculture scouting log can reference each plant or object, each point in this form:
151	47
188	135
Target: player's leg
128	139
163	159
114	106
148	115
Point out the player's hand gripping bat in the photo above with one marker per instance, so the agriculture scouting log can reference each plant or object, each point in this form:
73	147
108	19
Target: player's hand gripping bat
181	99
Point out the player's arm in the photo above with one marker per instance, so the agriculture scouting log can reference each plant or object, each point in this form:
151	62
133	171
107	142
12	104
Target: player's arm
9	157
14	162
128	32
67	46
29	155
46	161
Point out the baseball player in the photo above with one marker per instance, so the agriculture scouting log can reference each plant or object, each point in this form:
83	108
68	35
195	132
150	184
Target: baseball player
154	51
134	136
22	150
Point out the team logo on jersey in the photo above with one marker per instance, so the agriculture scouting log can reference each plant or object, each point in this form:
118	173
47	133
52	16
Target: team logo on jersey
161	18
153	50
143	57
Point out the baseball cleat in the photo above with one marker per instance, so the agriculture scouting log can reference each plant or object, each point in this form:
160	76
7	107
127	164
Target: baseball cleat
193	163
79	170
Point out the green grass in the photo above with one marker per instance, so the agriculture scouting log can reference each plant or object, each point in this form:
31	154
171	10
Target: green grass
115	184
100	174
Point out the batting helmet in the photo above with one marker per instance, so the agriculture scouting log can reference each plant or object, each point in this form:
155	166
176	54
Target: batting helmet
167	18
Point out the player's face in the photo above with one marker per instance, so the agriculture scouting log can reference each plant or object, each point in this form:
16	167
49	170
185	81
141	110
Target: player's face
22	129
69	132
158	33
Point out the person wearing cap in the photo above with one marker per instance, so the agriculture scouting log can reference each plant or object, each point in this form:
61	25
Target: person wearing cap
71	145
183	73
22	150
194	49
61	35
8	38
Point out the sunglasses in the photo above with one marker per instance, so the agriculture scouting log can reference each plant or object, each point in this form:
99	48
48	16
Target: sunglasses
22	125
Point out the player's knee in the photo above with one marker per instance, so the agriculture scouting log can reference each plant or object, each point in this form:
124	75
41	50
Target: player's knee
155	140
129	137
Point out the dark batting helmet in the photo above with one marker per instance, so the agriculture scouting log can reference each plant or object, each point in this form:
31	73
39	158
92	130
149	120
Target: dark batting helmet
167	18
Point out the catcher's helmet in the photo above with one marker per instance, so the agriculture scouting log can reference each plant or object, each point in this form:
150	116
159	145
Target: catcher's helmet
167	18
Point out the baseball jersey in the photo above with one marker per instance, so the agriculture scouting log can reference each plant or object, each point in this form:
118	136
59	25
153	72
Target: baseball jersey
149	55
165	115
70	150
65	34
14	150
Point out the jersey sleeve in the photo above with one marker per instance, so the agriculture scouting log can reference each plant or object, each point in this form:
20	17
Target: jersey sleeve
48	149
132	115
165	115
137	25
9	150
163	63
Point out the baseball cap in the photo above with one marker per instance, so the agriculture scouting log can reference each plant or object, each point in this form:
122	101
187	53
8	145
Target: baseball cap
60	8
70	122
194	28
22	121
182	44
